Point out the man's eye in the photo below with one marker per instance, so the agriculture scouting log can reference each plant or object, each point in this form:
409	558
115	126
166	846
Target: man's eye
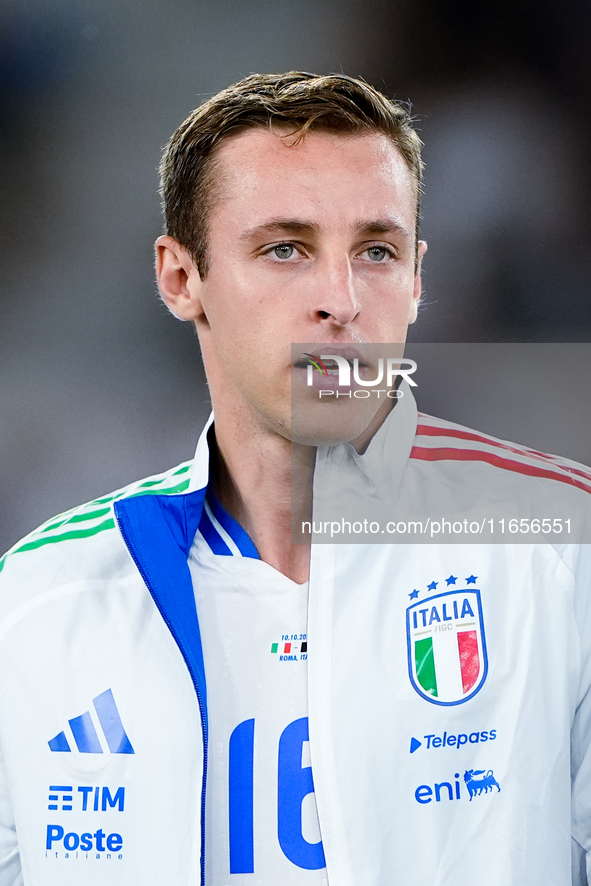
377	253
283	250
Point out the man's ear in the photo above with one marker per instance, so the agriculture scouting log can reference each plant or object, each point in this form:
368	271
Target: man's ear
178	279
416	295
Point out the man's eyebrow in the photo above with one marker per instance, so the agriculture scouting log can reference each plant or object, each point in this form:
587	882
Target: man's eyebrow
281	226
381	226
295	226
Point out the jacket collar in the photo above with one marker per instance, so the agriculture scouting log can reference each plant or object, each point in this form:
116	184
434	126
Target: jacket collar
158	531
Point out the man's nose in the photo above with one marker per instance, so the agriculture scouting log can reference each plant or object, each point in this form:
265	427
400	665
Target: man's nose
335	300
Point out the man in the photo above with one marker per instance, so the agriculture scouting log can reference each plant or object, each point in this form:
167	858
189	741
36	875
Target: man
161	710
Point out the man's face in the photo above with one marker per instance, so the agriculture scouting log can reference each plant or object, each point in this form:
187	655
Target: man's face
309	243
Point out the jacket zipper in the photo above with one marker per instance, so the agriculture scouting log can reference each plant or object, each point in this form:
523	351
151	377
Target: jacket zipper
195	685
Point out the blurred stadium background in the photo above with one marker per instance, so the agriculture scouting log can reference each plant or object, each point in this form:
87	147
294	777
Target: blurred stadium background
99	386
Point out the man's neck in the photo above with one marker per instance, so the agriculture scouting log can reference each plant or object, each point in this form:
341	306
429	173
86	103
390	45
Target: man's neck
265	482
254	479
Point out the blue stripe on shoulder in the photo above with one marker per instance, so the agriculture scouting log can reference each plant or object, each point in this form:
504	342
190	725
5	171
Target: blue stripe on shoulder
212	536
158	531
241	539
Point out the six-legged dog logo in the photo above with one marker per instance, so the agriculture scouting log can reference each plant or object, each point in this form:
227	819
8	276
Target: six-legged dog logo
479	780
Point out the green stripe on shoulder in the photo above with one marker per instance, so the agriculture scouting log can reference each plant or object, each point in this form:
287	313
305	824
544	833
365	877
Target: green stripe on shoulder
64	536
89	519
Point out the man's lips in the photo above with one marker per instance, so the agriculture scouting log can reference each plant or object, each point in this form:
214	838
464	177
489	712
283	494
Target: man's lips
349	354
326	373
326	367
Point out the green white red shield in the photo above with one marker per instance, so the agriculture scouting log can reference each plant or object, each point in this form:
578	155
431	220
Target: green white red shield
447	659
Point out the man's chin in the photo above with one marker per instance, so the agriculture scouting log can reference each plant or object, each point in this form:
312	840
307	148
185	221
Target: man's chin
331	424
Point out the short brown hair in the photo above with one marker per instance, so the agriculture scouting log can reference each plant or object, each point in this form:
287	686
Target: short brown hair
295	101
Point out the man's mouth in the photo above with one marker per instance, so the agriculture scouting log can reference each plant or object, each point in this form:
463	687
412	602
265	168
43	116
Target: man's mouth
330	366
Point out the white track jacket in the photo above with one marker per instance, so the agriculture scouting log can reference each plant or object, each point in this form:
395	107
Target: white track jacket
449	684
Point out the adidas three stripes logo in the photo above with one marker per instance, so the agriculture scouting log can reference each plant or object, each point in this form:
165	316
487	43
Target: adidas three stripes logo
85	734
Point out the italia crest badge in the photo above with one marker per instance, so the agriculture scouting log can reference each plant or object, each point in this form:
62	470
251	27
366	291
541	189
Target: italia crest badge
447	658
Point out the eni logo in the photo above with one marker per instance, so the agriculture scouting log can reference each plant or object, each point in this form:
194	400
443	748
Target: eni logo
477	781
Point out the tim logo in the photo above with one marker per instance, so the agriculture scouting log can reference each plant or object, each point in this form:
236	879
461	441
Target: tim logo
447	660
479	780
85	734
